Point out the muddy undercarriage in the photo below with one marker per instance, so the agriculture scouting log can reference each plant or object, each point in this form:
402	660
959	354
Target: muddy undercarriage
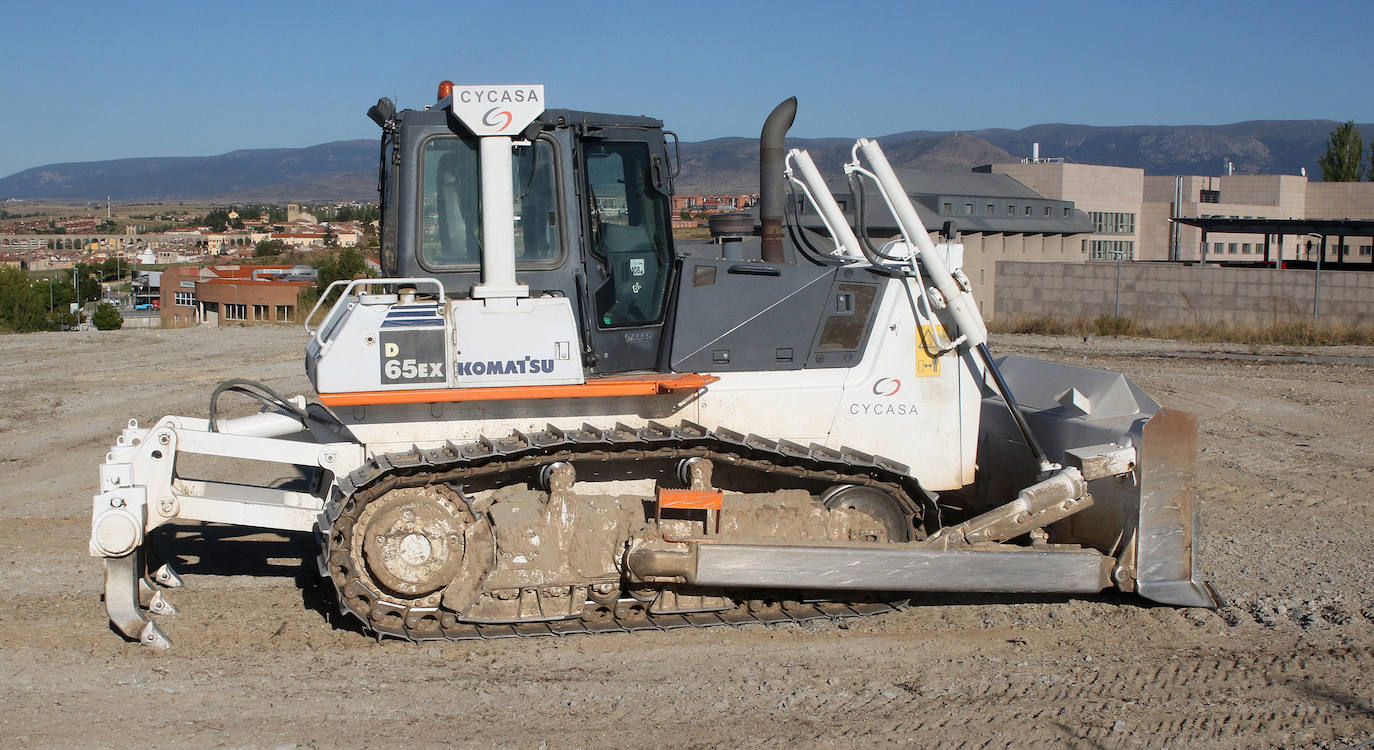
526	535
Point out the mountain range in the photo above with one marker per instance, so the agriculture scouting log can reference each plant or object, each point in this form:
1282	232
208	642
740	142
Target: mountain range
347	170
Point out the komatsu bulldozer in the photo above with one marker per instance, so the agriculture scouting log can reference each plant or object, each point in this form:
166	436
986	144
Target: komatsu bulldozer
548	417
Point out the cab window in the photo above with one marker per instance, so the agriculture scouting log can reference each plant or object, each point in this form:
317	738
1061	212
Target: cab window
629	223
451	210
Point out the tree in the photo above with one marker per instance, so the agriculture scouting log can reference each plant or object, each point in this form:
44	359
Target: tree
1344	157
217	220
348	263
364	213
55	288
86	281
344	265
107	318
115	268
22	306
269	248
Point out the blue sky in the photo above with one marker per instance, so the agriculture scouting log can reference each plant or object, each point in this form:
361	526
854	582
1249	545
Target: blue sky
88	81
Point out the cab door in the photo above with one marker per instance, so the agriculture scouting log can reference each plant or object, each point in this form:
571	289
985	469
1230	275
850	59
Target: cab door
628	265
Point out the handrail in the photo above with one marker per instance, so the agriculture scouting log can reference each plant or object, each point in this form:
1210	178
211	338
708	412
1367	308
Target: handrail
350	285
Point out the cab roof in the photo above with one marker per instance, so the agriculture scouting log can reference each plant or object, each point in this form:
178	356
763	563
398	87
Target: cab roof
560	117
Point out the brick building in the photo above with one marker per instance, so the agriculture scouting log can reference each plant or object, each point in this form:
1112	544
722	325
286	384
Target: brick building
229	294
712	203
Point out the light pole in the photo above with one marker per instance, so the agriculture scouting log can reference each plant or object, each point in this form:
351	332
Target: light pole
1119	253
1317	279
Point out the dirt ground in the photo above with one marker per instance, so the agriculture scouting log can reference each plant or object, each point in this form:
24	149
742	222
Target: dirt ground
260	661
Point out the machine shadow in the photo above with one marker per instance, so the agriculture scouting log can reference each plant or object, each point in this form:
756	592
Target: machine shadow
209	549
222	550
1352	703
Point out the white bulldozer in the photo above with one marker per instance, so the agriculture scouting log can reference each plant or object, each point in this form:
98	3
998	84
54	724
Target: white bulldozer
548	417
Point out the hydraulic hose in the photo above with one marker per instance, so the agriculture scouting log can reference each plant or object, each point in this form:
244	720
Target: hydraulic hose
255	390
798	235
856	188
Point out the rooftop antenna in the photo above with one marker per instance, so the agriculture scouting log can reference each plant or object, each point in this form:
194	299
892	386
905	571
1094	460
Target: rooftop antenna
1035	156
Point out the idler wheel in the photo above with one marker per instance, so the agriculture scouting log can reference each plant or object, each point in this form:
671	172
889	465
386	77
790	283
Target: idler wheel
411	541
873	503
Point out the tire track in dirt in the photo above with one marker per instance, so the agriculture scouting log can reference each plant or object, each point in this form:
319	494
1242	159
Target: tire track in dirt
1192	700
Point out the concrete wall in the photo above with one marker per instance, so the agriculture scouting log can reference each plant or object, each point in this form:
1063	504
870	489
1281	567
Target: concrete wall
141	321
1171	292
983	251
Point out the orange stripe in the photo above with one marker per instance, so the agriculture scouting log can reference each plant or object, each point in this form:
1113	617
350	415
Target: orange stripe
605	387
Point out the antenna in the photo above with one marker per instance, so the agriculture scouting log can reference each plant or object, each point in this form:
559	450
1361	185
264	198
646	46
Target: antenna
1035	156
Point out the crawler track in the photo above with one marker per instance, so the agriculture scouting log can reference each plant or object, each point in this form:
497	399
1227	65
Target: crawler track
492	463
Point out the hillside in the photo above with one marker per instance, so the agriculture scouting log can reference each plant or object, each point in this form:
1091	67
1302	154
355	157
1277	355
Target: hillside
731	165
342	170
1255	147
346	170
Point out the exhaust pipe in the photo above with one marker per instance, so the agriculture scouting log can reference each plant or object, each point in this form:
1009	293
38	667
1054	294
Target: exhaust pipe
771	179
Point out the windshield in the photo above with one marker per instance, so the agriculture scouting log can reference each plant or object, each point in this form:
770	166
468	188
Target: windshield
451	211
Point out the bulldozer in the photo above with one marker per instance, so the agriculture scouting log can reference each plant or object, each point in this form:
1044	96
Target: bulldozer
547	416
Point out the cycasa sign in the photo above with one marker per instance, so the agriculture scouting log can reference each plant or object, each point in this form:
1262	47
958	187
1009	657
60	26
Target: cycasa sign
498	110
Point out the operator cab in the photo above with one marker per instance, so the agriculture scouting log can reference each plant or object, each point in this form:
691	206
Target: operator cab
589	223
578	180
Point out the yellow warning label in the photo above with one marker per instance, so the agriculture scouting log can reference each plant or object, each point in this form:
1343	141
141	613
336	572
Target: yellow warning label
926	365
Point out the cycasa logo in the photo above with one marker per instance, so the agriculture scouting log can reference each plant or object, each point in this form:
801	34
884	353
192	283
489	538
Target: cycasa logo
497	118
497	110
886	386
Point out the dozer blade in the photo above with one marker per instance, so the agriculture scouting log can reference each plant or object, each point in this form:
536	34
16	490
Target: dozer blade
1146	516
1166	549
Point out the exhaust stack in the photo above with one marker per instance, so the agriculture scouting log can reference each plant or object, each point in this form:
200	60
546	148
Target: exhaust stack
771	179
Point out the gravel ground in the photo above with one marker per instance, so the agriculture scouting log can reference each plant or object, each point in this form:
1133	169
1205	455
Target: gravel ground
262	662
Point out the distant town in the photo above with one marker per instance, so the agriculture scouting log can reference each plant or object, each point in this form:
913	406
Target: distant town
232	264
176	237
